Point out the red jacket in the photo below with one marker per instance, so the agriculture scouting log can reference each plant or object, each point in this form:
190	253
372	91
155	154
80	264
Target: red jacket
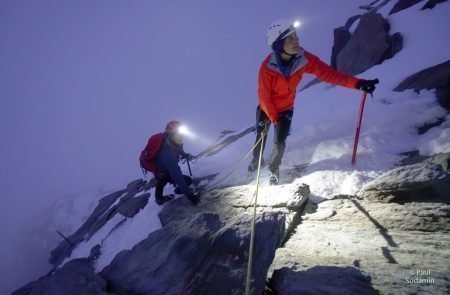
277	93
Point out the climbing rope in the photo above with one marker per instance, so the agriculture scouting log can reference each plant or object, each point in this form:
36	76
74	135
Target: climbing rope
252	231
235	167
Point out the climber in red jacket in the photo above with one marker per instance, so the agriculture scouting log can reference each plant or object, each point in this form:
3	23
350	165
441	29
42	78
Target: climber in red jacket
279	75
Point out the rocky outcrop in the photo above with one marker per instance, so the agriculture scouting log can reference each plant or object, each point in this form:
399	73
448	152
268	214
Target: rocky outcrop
205	256
425	181
206	247
225	140
321	280
402	5
130	206
369	45
64	248
341	38
378	241
74	278
125	202
432	3
435	77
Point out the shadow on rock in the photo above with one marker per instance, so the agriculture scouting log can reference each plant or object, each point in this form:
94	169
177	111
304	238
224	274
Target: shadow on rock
321	280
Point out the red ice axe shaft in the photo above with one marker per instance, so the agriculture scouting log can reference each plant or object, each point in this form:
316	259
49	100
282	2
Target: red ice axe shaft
358	127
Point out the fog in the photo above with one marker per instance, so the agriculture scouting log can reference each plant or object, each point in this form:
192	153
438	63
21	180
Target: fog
84	83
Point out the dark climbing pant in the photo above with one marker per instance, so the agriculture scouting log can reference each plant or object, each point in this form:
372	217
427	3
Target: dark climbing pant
279	138
163	180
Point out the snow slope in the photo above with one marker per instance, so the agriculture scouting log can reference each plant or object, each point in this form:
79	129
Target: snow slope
323	130
324	122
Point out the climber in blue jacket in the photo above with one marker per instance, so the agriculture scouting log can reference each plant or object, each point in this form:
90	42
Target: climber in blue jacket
168	170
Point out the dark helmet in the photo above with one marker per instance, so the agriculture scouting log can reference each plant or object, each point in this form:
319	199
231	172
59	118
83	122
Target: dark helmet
172	127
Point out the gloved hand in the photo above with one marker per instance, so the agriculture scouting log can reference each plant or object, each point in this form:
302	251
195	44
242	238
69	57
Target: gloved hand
366	85
188	157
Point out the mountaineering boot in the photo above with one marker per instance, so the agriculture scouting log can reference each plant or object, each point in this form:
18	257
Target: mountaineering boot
274	177
163	199
194	198
253	166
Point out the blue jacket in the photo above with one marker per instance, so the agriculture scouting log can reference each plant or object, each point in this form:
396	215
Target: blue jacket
167	163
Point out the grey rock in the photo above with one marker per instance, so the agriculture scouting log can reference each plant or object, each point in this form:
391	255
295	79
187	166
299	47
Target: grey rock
74	278
129	207
226	140
233	201
422	182
403	4
200	255
443	95
321	280
351	20
429	78
442	159
135	186
386	241
432	3
435	77
369	45
64	249
341	37
395	42
179	209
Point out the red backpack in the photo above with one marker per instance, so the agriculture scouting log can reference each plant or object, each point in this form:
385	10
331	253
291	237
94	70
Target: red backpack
148	155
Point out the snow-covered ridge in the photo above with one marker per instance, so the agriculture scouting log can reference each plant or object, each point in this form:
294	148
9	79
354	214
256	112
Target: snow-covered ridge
322	135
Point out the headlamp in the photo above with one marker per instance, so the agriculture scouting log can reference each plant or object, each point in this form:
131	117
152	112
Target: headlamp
183	130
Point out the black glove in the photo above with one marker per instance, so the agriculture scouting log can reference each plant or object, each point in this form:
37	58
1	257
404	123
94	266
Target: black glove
188	157
366	85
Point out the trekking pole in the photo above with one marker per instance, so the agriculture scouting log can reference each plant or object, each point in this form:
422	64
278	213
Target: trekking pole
189	166
358	127
67	240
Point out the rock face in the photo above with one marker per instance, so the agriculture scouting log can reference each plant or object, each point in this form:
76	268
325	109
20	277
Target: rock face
74	278
432	3
341	38
321	280
203	254
128	205
393	245
403	4
225	140
435	77
369	45
64	248
410	183
205	247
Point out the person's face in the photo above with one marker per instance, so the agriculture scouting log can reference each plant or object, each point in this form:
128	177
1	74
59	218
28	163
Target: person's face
177	138
291	45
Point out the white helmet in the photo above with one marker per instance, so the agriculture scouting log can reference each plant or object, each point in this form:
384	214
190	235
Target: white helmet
281	29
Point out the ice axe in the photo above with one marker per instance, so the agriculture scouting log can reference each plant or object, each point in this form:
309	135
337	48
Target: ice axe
358	126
